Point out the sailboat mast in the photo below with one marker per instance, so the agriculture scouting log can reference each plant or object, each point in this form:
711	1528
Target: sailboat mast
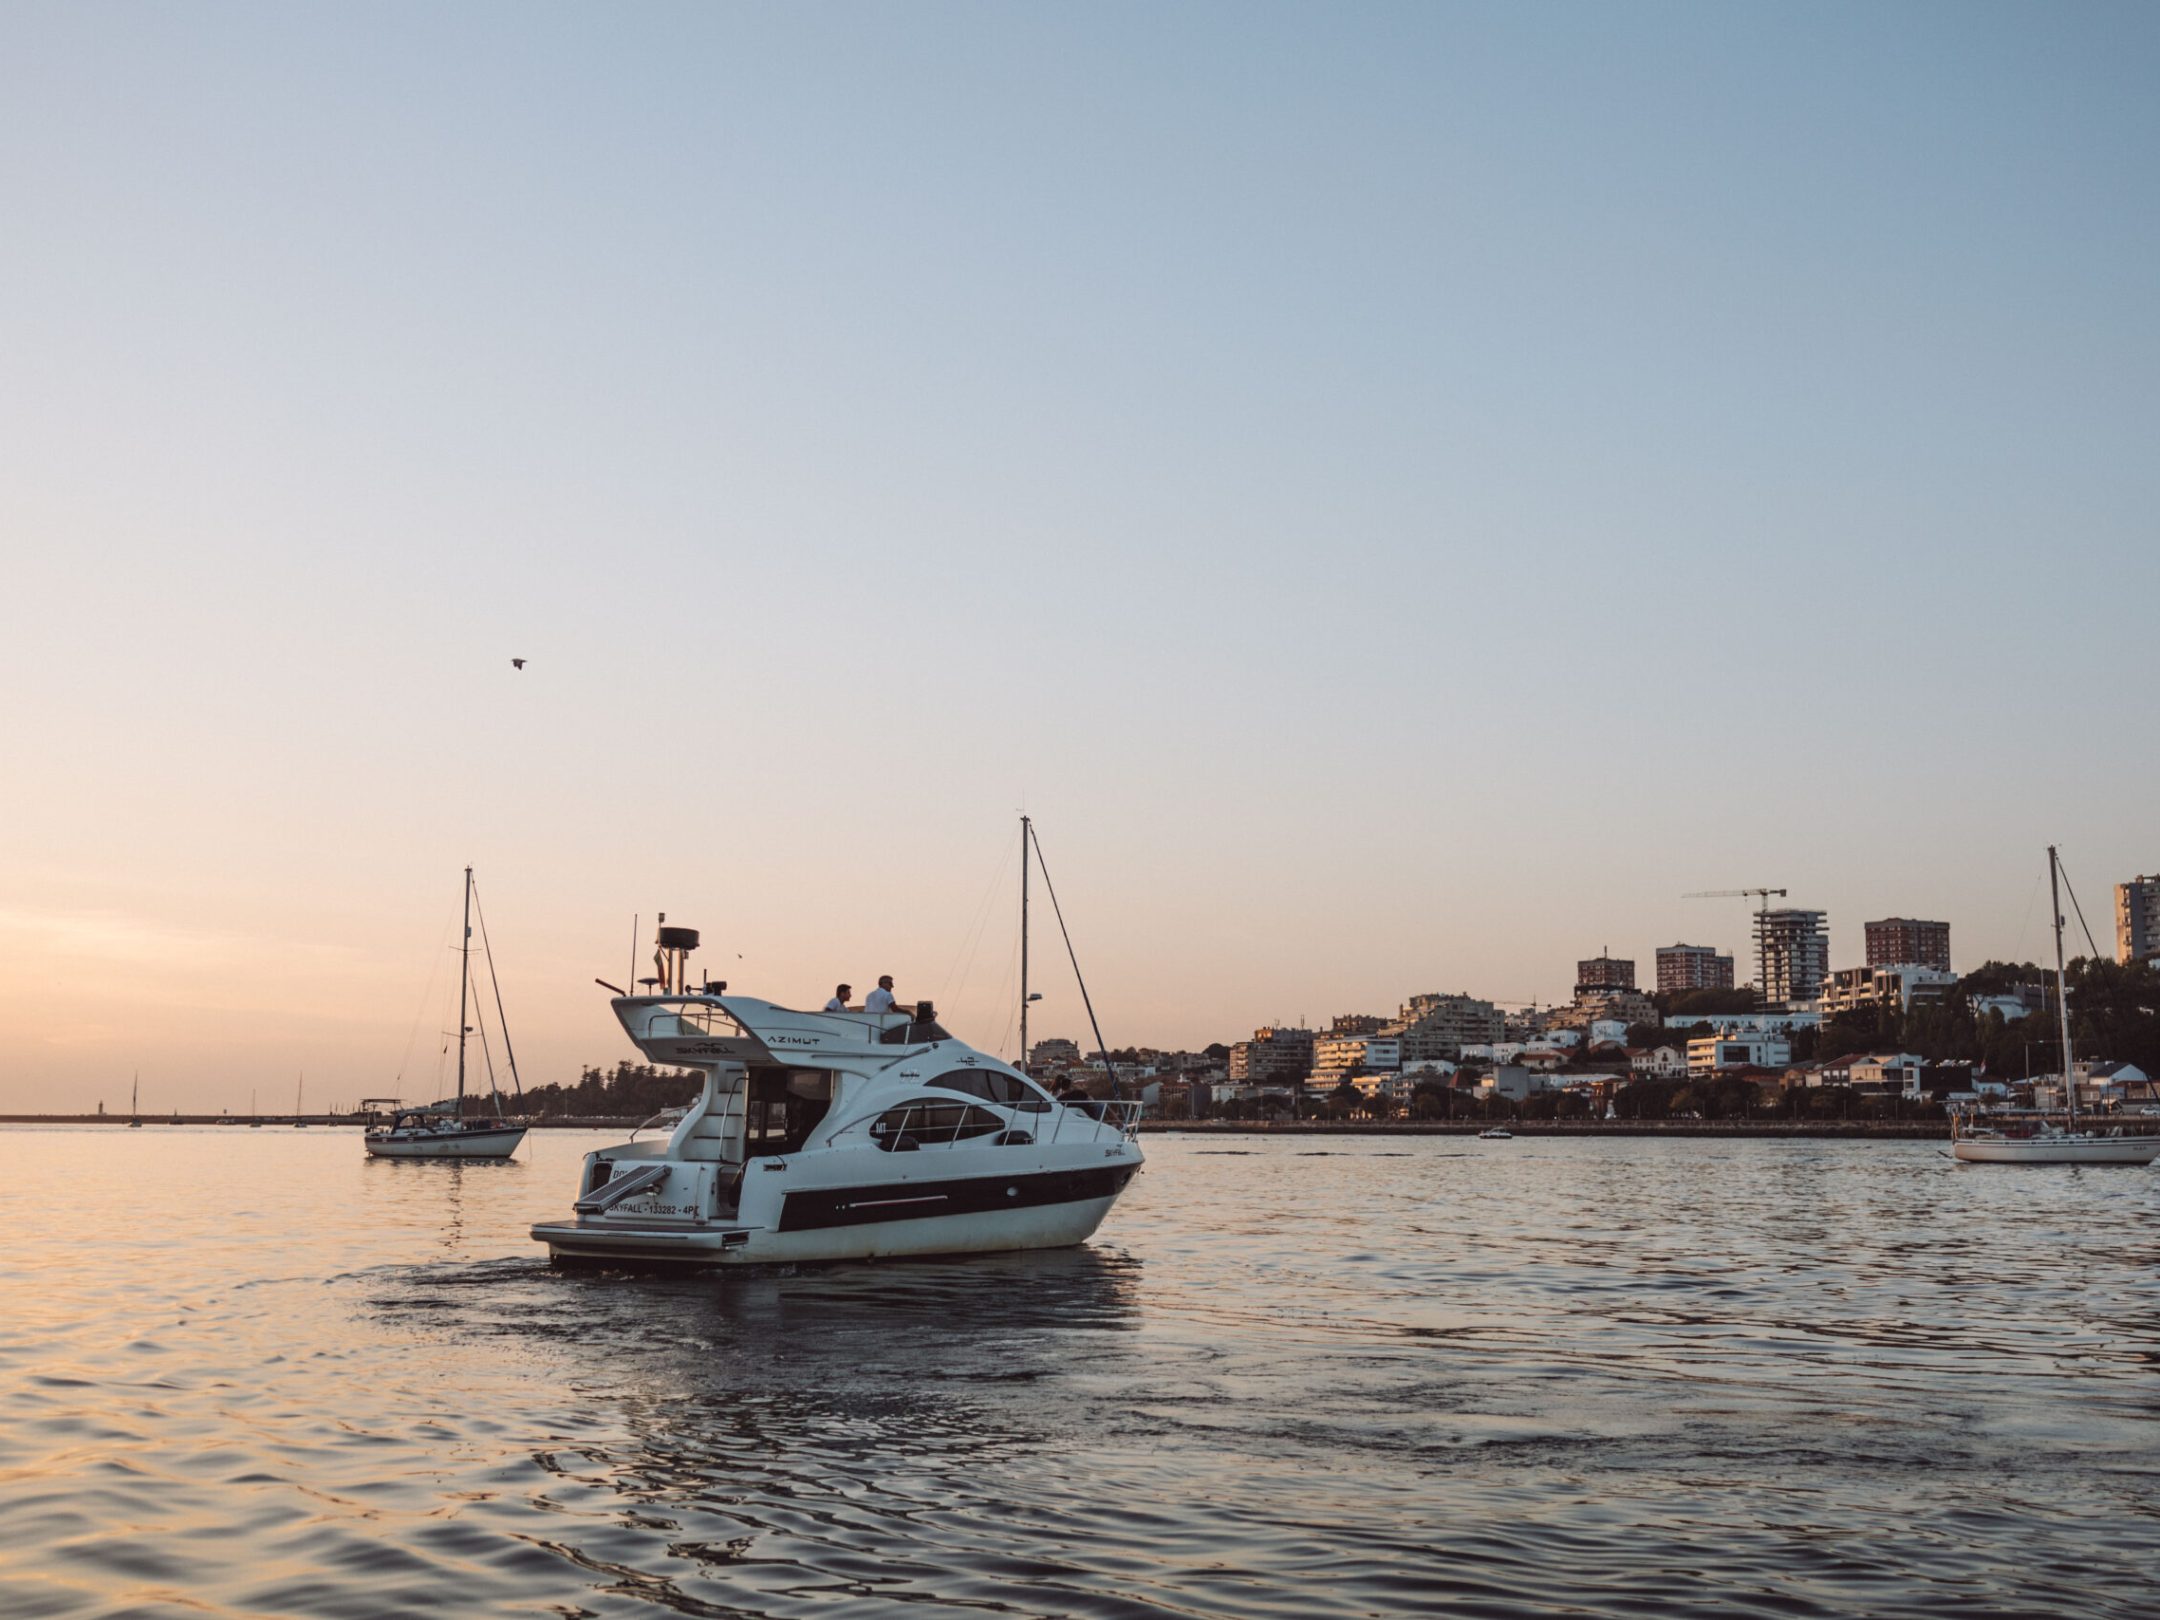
463	987
1023	942
2062	987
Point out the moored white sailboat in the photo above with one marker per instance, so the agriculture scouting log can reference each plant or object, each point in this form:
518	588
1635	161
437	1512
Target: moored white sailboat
441	1130
2040	1140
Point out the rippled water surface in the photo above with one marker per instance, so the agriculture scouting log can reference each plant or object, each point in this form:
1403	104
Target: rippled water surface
250	1373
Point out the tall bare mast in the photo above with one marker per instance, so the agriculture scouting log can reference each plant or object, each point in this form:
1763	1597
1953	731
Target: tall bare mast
464	985
2062	987
1024	833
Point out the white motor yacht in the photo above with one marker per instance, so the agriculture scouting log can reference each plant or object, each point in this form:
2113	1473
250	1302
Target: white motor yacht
838	1135
841	1136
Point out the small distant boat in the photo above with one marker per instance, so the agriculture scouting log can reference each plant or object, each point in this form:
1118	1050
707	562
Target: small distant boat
299	1092
2043	1141
1499	1133
441	1130
134	1098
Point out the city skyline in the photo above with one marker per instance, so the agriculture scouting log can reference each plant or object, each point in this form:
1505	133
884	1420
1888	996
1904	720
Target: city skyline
1246	442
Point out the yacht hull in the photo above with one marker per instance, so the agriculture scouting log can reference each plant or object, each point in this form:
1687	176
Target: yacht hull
976	1214
464	1145
1050	1226
2057	1150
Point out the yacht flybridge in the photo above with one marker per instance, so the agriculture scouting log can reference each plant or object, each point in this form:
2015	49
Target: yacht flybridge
838	1135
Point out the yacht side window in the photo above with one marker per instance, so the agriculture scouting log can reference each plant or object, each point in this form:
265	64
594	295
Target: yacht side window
931	1122
1006	1090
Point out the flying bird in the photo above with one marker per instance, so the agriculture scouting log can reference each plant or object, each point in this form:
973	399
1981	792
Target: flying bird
517	663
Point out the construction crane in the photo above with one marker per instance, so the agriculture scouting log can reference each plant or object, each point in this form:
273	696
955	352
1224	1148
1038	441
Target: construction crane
1762	931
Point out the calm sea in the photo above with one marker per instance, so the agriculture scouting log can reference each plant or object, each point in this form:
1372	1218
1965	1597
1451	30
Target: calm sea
246	1372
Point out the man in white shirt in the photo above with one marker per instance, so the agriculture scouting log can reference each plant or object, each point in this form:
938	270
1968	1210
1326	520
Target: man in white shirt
880	1000
839	1000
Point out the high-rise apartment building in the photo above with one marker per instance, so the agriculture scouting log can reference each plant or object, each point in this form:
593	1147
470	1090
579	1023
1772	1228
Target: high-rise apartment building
1794	948
1692	967
1603	972
2137	921
1272	1057
1897	941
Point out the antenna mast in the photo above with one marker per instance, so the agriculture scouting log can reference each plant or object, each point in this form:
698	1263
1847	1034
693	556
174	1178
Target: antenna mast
464	986
1025	833
2062	988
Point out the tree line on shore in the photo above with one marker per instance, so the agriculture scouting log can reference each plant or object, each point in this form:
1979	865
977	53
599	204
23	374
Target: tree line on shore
628	1088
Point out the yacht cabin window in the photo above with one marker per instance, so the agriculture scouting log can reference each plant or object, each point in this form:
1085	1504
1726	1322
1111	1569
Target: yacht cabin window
931	1122
1007	1090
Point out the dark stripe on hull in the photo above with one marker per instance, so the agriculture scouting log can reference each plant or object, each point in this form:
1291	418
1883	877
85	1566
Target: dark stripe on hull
812	1211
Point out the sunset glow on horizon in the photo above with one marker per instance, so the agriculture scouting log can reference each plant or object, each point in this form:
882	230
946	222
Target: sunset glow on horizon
1401	506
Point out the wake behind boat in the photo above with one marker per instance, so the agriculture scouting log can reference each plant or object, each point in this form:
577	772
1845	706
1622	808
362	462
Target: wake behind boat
441	1130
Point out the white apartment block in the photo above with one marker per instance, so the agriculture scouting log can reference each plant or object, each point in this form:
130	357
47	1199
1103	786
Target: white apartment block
1706	1054
1335	1057
1852	989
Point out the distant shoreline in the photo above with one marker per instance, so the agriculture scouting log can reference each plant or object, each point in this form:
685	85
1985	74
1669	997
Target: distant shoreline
1896	1130
1893	1130
597	1122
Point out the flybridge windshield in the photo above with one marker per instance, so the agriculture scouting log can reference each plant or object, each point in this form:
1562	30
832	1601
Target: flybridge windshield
699	1019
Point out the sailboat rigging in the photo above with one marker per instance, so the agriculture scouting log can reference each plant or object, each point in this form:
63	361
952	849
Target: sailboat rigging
1030	840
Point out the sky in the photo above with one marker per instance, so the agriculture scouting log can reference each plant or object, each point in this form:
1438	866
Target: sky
1402	494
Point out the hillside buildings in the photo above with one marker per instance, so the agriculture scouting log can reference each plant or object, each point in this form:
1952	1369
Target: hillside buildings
1897	940
1691	967
2137	921
1707	1054
1897	986
1604	993
1054	1055
1337	1058
1794	946
1274	1056
1434	1026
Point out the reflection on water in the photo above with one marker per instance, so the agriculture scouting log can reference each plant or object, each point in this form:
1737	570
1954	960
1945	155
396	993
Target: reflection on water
1375	1378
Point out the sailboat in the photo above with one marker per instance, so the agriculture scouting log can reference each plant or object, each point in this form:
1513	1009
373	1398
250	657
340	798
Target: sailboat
134	1098
299	1092
441	1130
2044	1142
